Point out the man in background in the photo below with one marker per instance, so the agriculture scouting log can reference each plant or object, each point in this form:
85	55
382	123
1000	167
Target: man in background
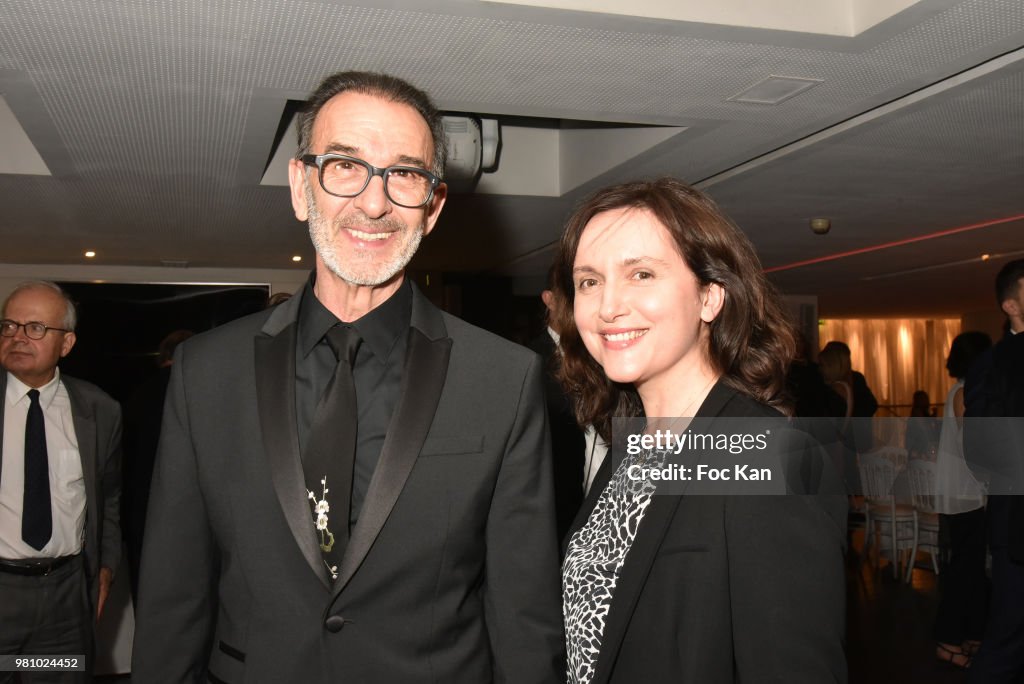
568	440
994	388
143	412
60	479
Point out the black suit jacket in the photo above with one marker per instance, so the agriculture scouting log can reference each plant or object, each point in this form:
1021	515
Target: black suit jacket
568	442
97	420
723	589
143	412
994	389
451	573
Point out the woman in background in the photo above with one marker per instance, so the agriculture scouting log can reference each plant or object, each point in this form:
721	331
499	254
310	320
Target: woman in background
922	437
960	501
663	311
839	404
835	370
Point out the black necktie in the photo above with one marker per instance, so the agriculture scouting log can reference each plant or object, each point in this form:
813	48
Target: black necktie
36	518
330	454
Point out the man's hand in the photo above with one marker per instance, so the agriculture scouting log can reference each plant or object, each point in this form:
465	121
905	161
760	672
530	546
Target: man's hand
106	578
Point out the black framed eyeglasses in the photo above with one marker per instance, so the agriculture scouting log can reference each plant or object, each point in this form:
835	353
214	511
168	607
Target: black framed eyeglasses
34	330
344	176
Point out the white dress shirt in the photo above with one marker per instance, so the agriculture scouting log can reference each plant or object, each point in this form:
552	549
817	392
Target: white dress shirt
67	481
594	456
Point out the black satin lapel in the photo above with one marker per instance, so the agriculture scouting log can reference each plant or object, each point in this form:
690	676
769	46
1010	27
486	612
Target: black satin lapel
275	395
426	366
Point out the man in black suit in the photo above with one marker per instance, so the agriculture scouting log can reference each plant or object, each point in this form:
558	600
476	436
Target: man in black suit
568	440
59	486
143	412
353	485
995	389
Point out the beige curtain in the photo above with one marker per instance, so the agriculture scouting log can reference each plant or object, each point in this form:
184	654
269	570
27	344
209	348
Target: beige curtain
897	356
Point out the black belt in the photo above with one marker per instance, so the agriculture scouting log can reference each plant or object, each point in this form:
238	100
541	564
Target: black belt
40	567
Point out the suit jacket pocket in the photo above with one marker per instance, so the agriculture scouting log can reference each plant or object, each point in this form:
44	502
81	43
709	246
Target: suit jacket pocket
670	549
227	664
452	446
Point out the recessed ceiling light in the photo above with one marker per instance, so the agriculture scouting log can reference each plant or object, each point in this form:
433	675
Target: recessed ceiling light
820	225
986	257
90	254
296	258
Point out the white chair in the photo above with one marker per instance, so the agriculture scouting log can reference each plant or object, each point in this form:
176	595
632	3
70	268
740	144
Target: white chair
893	525
921	476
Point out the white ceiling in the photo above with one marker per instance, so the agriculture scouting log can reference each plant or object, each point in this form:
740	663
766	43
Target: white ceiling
156	119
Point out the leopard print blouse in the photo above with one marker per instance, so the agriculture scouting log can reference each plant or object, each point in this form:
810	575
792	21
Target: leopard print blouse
594	560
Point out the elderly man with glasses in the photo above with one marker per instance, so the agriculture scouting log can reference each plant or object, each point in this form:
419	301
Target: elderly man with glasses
59	490
352	485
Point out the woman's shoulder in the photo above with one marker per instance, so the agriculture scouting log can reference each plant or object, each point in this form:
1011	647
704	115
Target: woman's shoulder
734	403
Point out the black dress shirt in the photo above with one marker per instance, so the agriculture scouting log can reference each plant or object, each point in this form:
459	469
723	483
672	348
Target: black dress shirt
377	374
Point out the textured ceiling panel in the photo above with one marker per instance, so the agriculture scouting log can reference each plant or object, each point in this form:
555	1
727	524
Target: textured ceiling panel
867	181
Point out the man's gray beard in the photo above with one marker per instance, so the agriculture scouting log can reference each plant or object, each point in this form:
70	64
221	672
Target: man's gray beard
320	232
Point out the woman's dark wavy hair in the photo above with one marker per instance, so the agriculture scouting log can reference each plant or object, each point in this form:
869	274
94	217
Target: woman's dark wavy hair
751	342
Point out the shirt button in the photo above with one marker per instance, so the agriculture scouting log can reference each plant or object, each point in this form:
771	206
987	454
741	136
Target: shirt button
334	623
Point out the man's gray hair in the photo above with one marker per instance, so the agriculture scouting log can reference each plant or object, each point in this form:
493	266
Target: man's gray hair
70	313
378	85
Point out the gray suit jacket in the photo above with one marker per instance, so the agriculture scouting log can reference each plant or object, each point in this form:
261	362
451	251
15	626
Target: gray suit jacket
451	574
97	419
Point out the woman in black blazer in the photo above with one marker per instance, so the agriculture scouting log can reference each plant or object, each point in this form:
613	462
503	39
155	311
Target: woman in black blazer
664	312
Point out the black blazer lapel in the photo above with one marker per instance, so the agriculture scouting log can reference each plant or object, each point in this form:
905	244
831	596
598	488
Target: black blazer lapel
646	544
639	560
425	370
631	581
275	396
426	367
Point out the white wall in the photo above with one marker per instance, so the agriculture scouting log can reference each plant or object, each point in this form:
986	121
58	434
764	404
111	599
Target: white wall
990	320
279	280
